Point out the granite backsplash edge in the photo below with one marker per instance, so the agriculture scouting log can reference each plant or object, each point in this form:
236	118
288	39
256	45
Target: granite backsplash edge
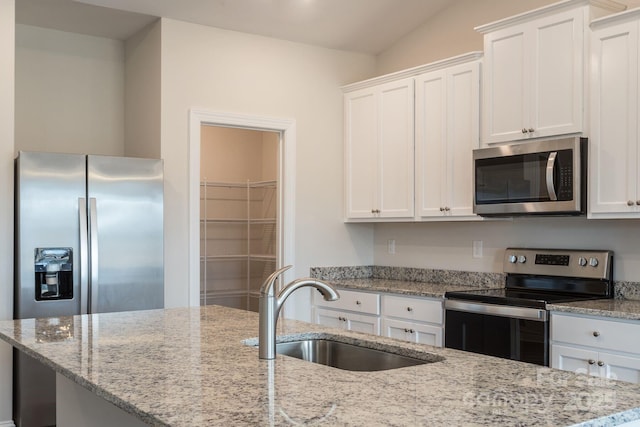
623	289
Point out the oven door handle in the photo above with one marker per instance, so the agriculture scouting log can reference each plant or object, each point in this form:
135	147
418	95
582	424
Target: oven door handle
551	164
526	313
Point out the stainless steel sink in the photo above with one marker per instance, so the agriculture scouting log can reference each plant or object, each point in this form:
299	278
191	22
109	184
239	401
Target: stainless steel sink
348	356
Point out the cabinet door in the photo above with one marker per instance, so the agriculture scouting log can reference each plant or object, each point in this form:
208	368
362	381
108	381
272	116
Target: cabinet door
505	85
613	155
412	331
557	82
363	323
619	367
463	135
398	329
447	130
431	134
396	150
331	318
361	152
574	359
347	320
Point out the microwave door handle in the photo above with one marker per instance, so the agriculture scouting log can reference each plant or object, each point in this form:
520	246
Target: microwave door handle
551	163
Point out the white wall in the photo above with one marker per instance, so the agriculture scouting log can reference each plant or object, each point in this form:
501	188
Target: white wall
7	76
142	93
69	92
451	32
227	71
448	245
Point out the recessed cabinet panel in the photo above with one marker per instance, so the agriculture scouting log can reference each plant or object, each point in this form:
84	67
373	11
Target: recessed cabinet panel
464	136
430	149
557	103
361	152
505	88
396	151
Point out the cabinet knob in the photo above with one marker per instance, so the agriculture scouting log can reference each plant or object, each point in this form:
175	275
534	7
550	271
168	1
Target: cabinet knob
447	208
591	362
531	130
408	331
358	303
638	202
596	333
409	308
441	209
524	130
630	203
342	319
600	363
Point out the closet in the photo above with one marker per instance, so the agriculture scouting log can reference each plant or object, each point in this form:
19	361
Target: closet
239	236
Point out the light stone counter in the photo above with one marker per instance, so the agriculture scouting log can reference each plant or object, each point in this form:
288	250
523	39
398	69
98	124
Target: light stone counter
190	367
402	287
614	308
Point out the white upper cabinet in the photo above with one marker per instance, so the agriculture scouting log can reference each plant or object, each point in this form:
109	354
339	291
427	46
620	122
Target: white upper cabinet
614	157
534	82
387	168
447	130
379	151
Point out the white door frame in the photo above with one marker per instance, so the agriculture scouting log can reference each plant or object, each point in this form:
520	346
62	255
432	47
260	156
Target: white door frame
286	184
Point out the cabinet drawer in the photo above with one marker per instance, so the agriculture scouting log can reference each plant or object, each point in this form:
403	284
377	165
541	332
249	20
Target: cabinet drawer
597	333
361	302
414	309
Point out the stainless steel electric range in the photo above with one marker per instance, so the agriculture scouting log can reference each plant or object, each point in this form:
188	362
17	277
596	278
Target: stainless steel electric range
513	322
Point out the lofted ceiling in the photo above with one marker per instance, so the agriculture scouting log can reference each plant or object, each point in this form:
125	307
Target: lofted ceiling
368	26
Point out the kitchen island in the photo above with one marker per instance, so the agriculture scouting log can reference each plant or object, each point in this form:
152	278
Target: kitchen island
193	367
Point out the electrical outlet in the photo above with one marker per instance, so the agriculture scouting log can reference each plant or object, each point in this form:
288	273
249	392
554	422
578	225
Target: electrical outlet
477	248
391	246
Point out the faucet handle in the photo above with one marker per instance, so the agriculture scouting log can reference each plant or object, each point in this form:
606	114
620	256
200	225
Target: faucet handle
267	287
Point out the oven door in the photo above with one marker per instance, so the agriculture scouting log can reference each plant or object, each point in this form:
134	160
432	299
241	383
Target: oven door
517	333
534	178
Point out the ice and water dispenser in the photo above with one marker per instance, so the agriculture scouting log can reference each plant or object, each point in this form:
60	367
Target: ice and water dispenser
54	273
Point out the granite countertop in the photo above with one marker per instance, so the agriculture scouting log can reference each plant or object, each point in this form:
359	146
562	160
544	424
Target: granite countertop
613	308
403	287
190	367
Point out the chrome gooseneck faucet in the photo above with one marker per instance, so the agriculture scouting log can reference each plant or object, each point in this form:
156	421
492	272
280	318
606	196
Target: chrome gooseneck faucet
270	306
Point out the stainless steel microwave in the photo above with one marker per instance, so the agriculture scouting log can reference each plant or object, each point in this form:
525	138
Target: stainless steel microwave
534	178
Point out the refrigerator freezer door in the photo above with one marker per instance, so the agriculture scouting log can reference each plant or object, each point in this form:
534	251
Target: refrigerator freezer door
48	189
126	233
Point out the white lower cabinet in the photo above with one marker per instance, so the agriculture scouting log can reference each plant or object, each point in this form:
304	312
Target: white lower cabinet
347	320
354	311
415	319
596	346
412	331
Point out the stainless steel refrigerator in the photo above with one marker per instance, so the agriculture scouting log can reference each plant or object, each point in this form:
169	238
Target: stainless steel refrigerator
88	239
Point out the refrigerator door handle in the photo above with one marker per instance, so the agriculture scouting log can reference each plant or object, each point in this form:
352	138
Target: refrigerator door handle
93	243
84	255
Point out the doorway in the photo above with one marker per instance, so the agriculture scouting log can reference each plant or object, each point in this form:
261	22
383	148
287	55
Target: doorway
238	214
285	129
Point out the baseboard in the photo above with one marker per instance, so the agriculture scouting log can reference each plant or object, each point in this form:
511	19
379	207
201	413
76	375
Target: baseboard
7	424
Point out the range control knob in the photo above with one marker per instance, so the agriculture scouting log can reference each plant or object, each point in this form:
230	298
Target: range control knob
582	261
522	259
512	259
593	262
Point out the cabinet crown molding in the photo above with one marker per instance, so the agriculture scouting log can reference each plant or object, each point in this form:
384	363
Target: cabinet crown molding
625	16
603	8
415	71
